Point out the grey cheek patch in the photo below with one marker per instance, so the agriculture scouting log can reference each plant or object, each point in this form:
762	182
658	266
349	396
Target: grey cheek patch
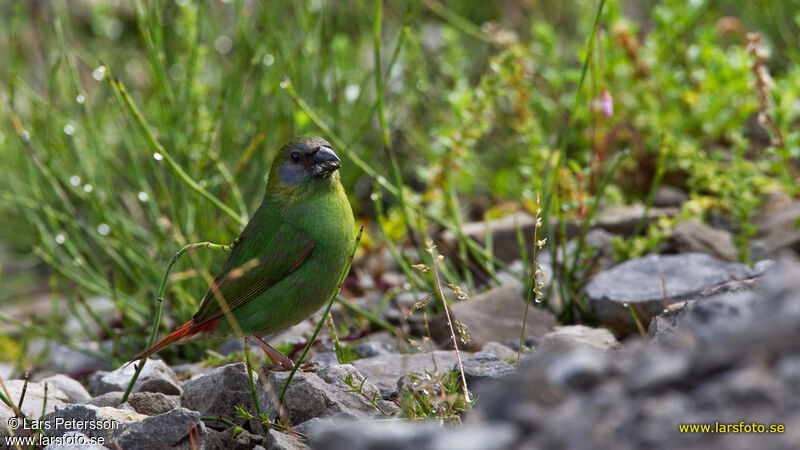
291	174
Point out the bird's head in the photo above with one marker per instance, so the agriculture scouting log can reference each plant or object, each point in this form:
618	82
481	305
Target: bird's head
304	161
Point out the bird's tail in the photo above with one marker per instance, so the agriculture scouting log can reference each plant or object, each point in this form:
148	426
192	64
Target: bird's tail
185	330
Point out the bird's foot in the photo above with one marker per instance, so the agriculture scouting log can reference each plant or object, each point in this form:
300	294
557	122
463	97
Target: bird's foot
267	368
310	366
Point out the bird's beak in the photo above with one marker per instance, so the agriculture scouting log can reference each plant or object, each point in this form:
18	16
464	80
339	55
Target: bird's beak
325	161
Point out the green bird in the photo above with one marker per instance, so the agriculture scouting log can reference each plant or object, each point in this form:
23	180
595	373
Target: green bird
289	257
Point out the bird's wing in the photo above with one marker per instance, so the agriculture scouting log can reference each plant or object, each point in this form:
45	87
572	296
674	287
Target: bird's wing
259	260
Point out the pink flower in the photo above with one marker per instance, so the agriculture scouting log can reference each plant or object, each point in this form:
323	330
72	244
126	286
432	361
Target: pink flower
608	103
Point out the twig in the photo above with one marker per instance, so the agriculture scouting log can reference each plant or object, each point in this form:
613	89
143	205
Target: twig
536	271
160	299
256	403
436	258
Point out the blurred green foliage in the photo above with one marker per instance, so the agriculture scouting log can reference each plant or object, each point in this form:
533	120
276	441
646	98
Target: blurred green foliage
477	96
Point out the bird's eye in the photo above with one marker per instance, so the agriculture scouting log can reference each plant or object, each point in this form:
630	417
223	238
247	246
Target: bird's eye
295	156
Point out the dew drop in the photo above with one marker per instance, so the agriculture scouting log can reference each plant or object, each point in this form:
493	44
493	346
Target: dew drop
99	73
538	300
88	187
284	84
315	6
203	183
223	44
143	197
373	197
268	60
80	99
75	180
60	239
176	71
158	156
69	130
113	28
351	92
625	304
103	229
26	137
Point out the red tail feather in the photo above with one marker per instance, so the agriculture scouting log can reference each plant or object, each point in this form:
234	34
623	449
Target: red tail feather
185	330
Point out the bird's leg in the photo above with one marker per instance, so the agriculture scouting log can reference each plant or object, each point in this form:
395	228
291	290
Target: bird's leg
280	361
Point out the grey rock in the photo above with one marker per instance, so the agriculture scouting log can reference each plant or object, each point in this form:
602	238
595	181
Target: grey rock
637	282
75	440
108	422
504	235
62	359
478	437
577	365
731	356
779	227
600	242
310	396
325	359
392	278
666	322
311	424
412	436
190	370
370	349
176	428
667	196
495	315
218	393
418	383
481	366
335	375
695	237
599	338
34	399
622	219
379	262
72	388
656	370
153	403
285	441
398	315
239	439
385	370
695	313
111	399
502	352
155	377
230	346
